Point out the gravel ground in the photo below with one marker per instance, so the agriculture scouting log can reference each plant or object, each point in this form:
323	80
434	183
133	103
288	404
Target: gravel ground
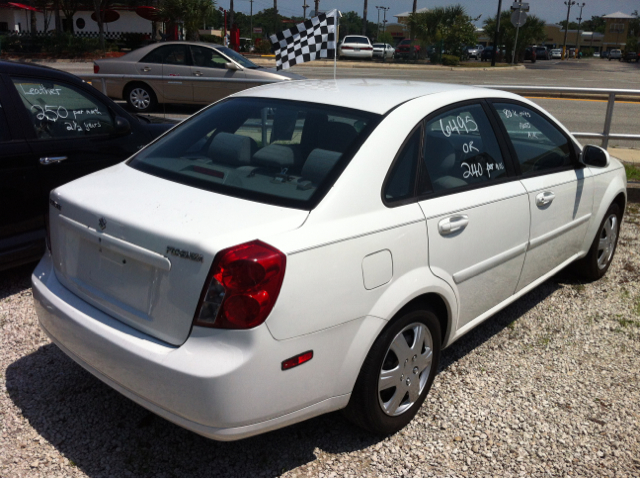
547	387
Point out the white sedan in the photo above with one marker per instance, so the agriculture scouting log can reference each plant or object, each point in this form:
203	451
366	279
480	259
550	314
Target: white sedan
356	47
383	50
297	248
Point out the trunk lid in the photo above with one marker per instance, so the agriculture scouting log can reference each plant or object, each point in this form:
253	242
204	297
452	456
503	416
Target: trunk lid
140	248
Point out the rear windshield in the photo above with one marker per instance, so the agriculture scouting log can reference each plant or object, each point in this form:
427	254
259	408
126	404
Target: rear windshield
272	151
364	40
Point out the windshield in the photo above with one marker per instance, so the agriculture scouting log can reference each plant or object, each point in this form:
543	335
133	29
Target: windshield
236	57
272	151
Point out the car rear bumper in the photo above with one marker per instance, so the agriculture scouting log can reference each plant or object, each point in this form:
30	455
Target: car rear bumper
222	384
359	55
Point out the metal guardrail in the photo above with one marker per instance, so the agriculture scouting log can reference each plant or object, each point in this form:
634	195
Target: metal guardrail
611	93
605	136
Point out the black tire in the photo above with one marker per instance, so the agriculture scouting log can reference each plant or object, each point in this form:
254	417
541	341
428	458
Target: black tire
140	97
367	405
595	265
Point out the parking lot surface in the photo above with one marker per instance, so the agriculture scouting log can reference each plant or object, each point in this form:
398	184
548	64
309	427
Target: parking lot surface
546	387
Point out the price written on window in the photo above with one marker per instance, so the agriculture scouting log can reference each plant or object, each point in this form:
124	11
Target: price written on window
515	113
476	170
459	125
55	113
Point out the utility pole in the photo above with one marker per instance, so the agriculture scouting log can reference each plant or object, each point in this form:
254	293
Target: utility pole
579	22
231	13
496	35
384	22
378	24
304	10
251	23
317	6
364	18
569	4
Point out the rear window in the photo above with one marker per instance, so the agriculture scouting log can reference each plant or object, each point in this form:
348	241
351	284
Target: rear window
272	151
363	40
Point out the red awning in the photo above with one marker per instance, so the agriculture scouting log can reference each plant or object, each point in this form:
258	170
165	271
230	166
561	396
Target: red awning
109	16
149	13
23	7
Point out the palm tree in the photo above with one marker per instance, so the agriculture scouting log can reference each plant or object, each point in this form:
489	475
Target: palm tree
451	25
275	16
533	31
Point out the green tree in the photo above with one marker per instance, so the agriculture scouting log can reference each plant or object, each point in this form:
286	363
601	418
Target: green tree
190	12
595	24
451	25
351	24
572	25
385	38
531	32
634	26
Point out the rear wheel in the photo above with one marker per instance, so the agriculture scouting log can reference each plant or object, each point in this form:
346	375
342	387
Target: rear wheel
397	374
597	262
141	98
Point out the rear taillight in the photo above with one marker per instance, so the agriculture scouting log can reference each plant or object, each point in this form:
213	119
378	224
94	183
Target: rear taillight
242	287
346	48
96	68
366	48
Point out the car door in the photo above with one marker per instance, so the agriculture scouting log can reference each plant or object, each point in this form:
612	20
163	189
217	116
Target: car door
208	63
560	190
477	212
169	61
71	132
21	215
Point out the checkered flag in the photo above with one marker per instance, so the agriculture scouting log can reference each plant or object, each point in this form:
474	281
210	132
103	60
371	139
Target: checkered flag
308	41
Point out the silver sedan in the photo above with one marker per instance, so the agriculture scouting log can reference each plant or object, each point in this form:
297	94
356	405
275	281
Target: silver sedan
163	62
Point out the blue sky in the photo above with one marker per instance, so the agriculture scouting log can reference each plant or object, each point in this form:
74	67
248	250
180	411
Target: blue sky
552	11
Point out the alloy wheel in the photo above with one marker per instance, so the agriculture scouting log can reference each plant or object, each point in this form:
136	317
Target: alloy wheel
607	242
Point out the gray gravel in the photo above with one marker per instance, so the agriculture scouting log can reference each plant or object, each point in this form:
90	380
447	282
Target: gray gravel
547	387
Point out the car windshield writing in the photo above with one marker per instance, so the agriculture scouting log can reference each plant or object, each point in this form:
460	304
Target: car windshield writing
273	151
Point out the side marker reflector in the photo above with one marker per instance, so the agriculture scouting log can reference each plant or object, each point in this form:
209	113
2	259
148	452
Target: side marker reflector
297	360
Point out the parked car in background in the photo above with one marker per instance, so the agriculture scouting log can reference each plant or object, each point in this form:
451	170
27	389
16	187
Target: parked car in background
596	54
530	54
615	54
631	56
407	50
475	51
556	54
186	60
542	53
604	54
296	251
54	128
487	54
355	47
383	50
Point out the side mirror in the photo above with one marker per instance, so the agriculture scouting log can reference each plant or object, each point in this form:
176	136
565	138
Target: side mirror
232	66
595	156
122	126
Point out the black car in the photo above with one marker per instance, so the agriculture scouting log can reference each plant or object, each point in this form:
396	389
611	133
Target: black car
630	56
487	54
54	128
530	54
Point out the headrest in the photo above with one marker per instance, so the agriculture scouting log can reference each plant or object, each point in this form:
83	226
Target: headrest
275	156
337	136
231	149
319	164
440	154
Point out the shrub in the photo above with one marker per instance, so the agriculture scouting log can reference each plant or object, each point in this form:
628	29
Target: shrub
450	60
134	40
264	47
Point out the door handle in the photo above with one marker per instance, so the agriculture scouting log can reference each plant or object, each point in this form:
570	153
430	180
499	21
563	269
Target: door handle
49	160
544	199
146	69
453	224
198	74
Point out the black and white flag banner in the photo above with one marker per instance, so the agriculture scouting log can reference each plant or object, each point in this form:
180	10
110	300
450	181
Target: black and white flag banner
308	41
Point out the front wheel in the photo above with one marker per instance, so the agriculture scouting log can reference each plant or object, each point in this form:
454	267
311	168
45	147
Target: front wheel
397	374
598	259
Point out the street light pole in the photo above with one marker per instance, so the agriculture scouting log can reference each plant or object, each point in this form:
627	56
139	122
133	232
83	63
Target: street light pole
304	10
378	24
384	21
579	23
496	35
566	27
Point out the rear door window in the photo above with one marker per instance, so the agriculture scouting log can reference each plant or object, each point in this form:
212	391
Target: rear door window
461	149
59	110
539	145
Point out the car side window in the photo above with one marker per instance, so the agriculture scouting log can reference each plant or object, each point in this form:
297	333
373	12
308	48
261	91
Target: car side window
59	111
207	58
400	182
538	144
169	54
461	149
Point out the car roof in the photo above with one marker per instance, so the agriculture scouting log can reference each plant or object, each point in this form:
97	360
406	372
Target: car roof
20	68
372	95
